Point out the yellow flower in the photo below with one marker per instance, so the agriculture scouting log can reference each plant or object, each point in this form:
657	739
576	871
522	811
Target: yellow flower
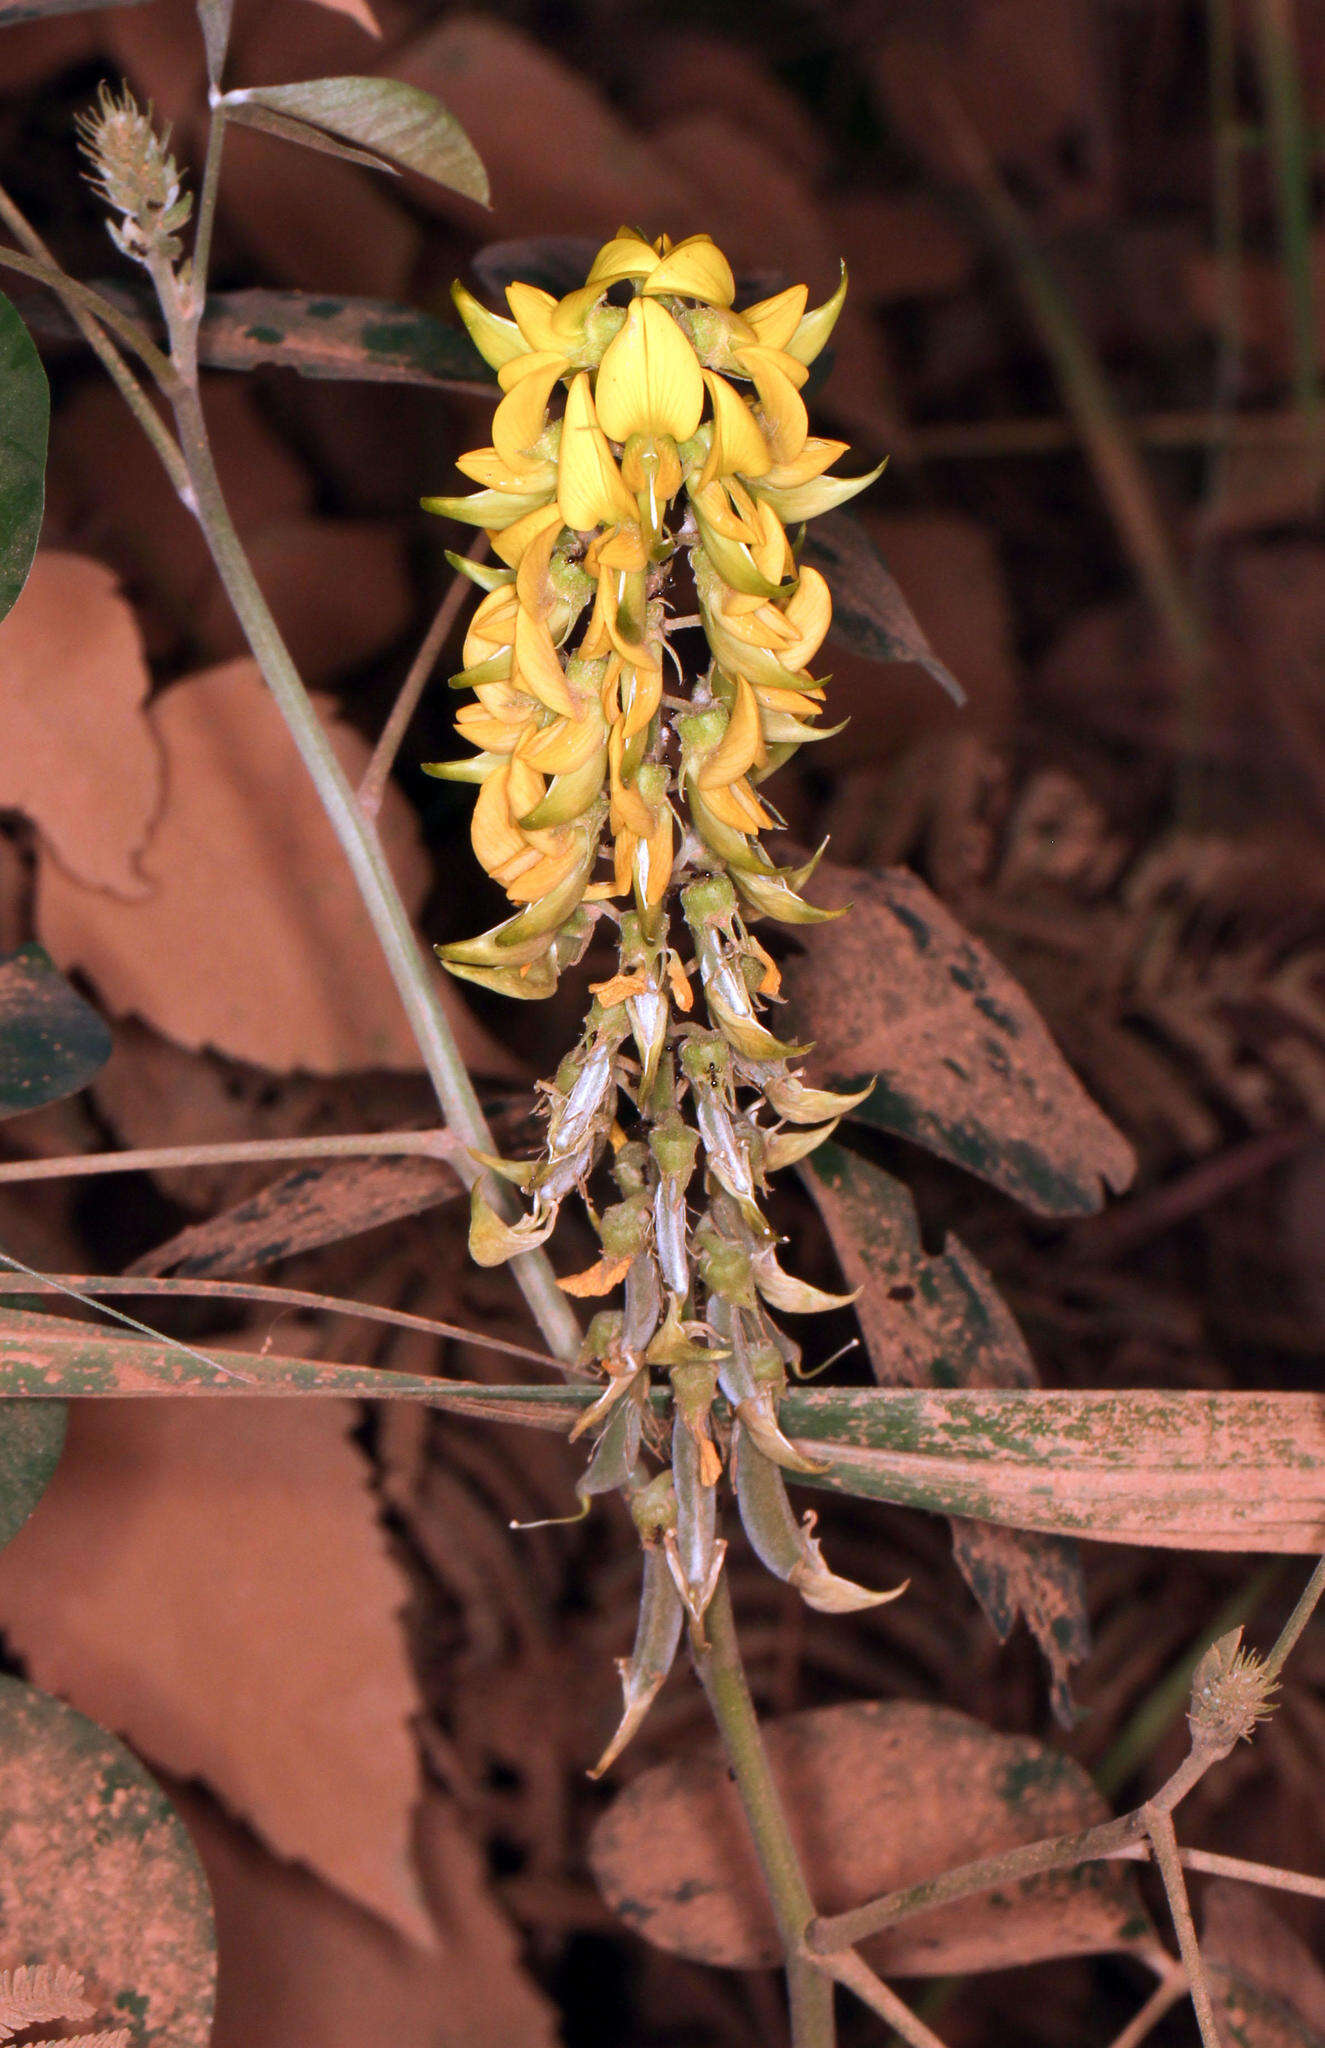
649	380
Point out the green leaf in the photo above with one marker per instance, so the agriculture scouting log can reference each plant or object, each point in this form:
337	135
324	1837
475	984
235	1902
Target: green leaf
941	1322
366	340
965	1065
399	122
25	413
51	1041
870	615
97	1874
286	128
1187	1471
31	1440
880	1795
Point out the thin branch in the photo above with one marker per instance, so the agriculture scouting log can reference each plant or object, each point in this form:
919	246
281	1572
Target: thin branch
443	1145
1159	1826
373	787
88	308
1297	1621
207	191
189	1288
1206	1863
854	1974
722	1675
1161	2000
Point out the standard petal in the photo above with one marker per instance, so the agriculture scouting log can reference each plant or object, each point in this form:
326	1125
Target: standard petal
738	447
521	417
649	380
626	255
589	487
695	269
775	320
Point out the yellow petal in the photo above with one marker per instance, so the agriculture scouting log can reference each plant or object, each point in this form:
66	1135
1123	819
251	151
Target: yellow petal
772	551
628	812
533	584
569	314
815	457
525	787
610	993
525	532
479	727
641	694
600	1278
521	417
490	469
740	746
495	837
498	341
623	860
533	316
492	626
738	445
810	610
566	744
775	320
626	255
536	667
786	422
714	505
649	380
737	806
589	487
813	331
653	862
546	875
695	269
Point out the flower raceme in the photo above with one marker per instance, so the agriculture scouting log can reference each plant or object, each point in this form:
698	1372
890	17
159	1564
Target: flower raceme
628	436
645	423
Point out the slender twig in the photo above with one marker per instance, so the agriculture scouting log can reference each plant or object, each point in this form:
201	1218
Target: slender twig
359	841
1206	1863
1171	1988
186	1287
1159	1827
722	1674
92	314
1297	1621
854	1974
373	786
241	1152
207	191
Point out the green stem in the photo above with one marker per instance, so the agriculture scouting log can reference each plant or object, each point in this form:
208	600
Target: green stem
722	1675
363	850
207	191
1297	1621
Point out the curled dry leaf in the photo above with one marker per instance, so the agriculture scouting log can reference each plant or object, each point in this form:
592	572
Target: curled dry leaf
76	754
213	1582
880	1794
97	1874
965	1066
941	1322
318	1203
1269	1989
252	939
300	1963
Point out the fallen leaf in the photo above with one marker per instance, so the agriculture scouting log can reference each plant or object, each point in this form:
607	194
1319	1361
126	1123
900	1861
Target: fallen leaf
1269	1988
52	1043
317	1203
97	1874
300	1965
31	1440
879	1795
965	1066
339	588
25	413
252	939
322	336
941	1322
214	1584
76	754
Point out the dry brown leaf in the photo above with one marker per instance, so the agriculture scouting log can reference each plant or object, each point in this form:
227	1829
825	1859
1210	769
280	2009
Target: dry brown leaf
318	1203
1270	1989
356	10
519	102
880	1794
76	754
300	1967
215	1586
253	939
339	588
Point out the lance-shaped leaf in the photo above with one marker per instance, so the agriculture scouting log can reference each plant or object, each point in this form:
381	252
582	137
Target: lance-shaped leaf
12	12
400	123
214	17
965	1066
879	1794
52	1043
98	1874
940	1322
31	1440
1187	1471
870	615
25	412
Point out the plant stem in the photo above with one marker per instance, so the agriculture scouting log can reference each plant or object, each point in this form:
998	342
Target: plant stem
363	849
207	191
855	1975
442	1144
1160	2001
1159	1826
1297	1621
722	1674
373	786
1207	1864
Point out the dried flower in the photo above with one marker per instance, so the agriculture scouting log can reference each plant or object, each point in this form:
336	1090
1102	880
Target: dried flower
1231	1692
133	171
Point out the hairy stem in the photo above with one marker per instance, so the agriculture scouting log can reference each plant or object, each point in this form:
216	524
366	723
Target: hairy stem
207	191
722	1674
442	1144
1297	1621
363	849
1159	1827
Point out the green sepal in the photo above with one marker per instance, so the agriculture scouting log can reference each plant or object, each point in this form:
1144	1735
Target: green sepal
487	575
